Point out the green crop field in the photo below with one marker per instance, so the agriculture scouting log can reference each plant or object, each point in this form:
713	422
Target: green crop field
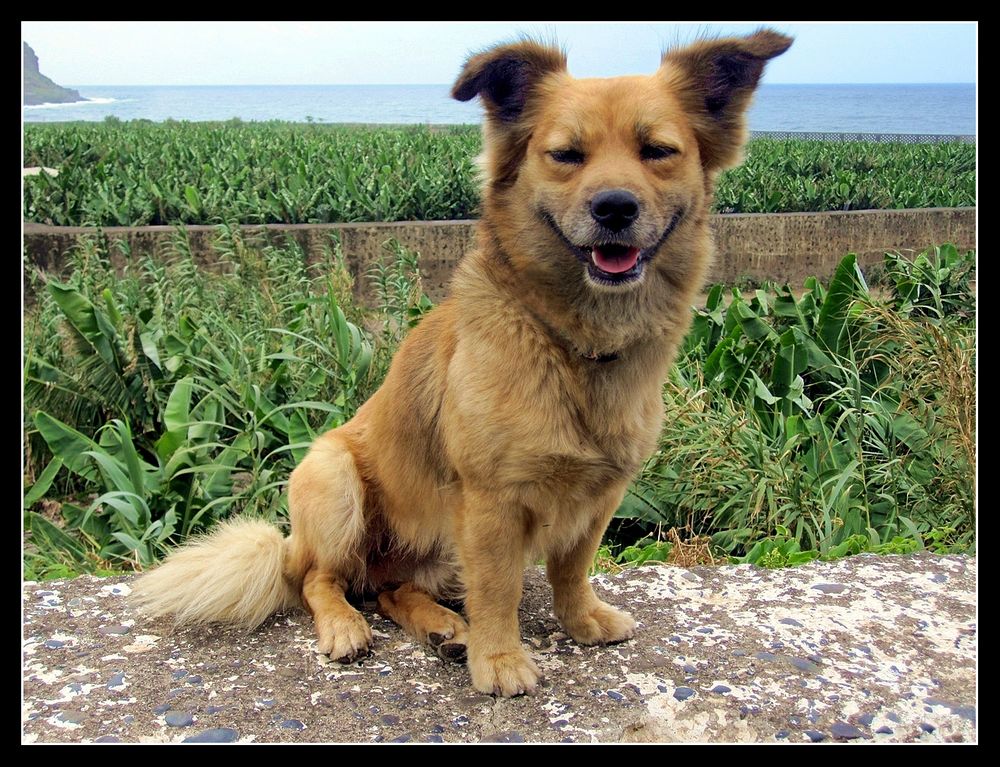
139	173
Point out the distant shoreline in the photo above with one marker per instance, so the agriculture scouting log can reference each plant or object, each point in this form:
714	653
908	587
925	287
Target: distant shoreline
81	102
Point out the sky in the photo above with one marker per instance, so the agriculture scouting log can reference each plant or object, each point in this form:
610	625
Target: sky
321	53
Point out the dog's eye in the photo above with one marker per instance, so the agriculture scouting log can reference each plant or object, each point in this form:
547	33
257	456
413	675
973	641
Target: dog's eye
656	151
567	156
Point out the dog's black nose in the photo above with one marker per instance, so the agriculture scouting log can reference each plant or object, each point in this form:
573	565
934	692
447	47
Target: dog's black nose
614	209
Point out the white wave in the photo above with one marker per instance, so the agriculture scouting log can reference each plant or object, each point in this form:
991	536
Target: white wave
83	103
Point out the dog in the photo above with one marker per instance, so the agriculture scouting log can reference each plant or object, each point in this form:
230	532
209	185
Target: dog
514	416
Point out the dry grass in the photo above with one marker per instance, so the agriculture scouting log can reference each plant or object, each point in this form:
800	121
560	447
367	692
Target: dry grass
938	363
696	550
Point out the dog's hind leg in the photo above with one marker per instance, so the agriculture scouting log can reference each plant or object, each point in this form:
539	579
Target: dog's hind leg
343	633
422	618
325	497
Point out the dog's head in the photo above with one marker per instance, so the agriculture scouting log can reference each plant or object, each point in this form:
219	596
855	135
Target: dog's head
592	177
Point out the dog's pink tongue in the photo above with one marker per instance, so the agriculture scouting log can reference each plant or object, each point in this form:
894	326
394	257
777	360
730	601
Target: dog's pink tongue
614	260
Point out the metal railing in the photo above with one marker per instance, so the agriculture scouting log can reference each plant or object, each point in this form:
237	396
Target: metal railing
877	138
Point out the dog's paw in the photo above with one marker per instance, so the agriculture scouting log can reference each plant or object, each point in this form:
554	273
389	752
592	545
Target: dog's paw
448	647
506	674
601	624
420	616
344	639
447	634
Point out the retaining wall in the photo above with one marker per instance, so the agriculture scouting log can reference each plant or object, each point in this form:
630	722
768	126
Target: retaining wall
784	247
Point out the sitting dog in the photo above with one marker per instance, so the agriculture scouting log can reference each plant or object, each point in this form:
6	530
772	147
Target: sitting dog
515	415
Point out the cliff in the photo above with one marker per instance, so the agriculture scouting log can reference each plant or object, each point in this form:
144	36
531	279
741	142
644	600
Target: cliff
38	89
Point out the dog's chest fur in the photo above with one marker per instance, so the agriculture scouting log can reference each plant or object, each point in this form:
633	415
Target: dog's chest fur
536	420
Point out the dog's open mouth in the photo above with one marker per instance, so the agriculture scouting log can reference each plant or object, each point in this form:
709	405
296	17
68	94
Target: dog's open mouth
615	263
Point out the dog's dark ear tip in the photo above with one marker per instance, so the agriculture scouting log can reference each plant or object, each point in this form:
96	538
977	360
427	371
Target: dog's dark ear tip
464	91
771	42
505	74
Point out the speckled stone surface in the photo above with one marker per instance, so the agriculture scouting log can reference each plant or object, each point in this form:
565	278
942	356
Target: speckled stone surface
722	654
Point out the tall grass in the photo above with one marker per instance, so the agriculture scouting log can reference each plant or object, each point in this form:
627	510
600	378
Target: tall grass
163	400
823	418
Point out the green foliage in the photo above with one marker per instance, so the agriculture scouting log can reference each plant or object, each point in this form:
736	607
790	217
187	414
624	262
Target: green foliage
643	551
398	290
786	176
781	550
44	568
137	173
202	173
164	400
828	415
800	425
934	285
944	540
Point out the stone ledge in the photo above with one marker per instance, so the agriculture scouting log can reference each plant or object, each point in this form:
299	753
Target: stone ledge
867	648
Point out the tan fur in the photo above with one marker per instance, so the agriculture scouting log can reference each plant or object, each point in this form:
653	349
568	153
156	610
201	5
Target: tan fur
499	436
233	575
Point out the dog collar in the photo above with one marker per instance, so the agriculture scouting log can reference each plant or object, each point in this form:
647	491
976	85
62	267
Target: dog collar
600	359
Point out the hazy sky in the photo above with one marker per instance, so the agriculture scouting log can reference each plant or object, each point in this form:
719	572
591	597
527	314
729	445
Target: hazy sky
273	53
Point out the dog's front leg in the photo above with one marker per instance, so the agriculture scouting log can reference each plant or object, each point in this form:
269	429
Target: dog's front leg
492	540
585	617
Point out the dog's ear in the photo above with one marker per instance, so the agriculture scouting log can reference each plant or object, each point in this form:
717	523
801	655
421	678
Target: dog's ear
505	75
716	79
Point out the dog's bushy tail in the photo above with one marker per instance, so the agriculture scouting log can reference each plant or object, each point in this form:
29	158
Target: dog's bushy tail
235	574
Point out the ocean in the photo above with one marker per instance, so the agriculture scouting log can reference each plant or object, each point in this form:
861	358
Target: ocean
930	109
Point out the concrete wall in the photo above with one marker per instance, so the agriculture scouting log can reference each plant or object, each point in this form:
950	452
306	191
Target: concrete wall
784	247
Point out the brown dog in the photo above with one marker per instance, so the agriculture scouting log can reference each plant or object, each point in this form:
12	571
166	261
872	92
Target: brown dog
514	416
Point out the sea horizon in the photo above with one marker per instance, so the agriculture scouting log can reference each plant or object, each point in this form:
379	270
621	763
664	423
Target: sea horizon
906	108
